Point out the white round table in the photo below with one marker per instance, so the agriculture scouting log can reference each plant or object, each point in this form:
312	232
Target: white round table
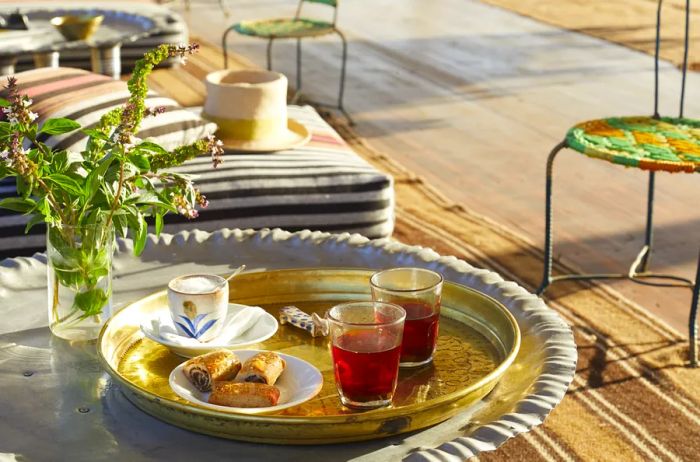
57	401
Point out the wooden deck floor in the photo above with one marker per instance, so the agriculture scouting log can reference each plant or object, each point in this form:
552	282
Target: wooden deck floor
473	97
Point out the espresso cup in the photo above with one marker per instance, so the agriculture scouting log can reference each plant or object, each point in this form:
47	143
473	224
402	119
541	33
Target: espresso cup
198	305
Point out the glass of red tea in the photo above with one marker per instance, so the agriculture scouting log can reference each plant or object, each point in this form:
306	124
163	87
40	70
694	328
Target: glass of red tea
366	347
418	291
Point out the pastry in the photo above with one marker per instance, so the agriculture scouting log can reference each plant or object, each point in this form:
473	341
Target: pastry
203	370
235	394
265	367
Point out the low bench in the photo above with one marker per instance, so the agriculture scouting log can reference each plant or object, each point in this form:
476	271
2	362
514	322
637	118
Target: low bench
323	185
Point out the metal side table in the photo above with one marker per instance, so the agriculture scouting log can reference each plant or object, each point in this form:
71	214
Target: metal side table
45	43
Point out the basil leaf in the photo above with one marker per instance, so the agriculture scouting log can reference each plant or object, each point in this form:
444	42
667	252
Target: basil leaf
159	223
59	126
96	177
66	182
35	220
138	226
5	129
24	186
140	161
17	204
91	302
92	133
151	147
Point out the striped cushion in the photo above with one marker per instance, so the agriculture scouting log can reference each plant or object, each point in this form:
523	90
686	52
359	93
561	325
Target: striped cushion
85	97
321	186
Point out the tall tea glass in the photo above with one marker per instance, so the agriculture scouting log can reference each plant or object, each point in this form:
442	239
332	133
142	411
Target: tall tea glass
418	291
366	346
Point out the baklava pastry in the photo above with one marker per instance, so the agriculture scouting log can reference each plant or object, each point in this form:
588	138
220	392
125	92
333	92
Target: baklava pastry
265	367
204	370
236	394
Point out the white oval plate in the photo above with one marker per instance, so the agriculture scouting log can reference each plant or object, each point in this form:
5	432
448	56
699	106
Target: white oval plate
299	382
265	328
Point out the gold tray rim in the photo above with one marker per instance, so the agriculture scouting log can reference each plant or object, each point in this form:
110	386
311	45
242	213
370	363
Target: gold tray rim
376	414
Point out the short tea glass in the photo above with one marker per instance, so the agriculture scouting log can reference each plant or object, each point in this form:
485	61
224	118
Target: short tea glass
418	291
366	347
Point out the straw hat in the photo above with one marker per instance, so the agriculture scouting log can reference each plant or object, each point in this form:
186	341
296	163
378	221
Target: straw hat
250	108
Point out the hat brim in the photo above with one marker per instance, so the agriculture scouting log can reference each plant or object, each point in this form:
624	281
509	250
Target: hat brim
295	136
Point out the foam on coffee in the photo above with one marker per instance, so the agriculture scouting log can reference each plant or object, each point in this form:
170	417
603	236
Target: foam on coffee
196	284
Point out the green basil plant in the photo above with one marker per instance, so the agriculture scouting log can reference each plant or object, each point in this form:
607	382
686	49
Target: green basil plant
115	183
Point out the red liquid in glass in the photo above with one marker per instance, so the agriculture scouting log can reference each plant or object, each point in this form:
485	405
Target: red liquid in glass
420	332
366	365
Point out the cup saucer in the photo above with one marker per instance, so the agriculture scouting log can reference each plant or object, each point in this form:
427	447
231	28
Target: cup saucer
265	327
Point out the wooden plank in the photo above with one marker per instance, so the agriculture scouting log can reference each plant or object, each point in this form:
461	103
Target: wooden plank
628	22
182	86
473	97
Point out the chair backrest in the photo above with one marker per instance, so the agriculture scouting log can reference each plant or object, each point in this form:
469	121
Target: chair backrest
331	3
684	69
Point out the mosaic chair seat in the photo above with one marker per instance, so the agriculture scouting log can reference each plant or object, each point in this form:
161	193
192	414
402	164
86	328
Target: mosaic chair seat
653	143
664	144
297	28
284	28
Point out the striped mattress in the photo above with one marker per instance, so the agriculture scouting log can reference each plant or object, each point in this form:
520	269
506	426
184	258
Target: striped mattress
321	186
84	97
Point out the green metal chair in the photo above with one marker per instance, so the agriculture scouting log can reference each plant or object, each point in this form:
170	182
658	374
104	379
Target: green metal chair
188	5
652	143
294	28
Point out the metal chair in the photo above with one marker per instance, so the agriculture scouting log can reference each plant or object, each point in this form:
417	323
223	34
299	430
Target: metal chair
652	143
295	28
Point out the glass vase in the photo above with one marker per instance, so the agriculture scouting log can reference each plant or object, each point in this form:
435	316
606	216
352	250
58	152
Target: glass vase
79	275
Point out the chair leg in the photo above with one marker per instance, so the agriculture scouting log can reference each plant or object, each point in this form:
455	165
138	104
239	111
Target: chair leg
649	232
297	91
548	244
657	48
692	320
685	56
341	91
269	53
224	46
223	7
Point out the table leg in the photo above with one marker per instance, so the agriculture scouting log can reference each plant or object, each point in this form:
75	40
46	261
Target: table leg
7	65
46	59
107	60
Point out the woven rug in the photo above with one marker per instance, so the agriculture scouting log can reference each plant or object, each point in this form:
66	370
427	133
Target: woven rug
633	397
631	23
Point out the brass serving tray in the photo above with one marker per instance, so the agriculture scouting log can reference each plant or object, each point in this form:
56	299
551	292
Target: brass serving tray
478	341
